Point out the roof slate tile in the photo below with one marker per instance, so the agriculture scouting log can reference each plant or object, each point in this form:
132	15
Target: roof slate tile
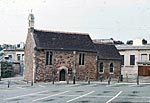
63	41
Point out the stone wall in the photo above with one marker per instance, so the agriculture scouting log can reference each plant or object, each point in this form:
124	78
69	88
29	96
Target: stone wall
43	71
64	60
29	58
88	70
106	66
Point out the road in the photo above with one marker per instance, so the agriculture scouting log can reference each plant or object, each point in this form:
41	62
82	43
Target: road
81	92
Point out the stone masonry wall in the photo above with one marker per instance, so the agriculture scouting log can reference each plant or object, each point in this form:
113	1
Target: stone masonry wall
106	65
88	70
29	58
64	60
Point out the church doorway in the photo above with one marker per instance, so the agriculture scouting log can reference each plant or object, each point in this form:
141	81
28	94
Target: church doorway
62	74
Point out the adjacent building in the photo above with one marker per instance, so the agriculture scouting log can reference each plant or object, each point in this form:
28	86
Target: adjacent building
15	55
135	58
108	61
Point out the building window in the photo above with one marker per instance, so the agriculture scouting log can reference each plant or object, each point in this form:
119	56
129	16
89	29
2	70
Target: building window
6	58
22	57
18	45
122	59
81	59
10	57
143	57
111	68
18	57
49	58
101	67
132	59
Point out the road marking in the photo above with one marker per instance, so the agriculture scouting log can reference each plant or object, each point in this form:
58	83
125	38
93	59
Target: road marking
80	96
114	97
42	86
49	96
25	95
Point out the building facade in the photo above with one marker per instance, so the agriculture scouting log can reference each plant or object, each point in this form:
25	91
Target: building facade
15	55
135	59
59	56
108	61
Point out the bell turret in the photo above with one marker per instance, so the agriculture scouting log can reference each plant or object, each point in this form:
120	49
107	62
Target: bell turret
31	20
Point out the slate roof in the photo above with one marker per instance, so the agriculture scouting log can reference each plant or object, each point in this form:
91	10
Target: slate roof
107	51
55	40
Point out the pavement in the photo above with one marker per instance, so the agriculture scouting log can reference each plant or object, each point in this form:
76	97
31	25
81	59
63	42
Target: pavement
81	92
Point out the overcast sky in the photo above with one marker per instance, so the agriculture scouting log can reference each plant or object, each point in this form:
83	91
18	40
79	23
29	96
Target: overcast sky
118	19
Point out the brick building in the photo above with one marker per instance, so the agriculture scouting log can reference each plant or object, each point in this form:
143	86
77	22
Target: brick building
60	55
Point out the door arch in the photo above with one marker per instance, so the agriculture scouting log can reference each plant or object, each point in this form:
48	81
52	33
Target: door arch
62	74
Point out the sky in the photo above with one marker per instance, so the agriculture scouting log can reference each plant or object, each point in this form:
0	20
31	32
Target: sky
102	19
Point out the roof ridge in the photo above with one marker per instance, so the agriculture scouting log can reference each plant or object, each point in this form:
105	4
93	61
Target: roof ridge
65	32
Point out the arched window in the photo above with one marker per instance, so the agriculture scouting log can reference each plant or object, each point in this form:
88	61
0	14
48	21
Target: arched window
101	67
111	68
49	58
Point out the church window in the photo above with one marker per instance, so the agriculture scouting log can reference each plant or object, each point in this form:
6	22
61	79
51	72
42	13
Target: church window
49	57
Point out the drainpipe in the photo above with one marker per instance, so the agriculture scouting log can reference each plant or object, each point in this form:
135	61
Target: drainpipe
74	67
96	67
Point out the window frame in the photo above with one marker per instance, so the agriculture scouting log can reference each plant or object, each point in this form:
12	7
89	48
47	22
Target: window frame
142	58
122	59
132	60
111	66
18	57
10	56
49	58
101	67
81	59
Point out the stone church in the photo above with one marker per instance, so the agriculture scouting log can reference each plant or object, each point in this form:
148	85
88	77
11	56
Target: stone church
55	55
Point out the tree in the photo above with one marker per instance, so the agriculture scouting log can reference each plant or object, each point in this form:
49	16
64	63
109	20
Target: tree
1	54
130	42
7	69
144	41
118	42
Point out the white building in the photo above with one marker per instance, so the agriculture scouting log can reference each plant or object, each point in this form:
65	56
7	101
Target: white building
103	41
16	56
135	58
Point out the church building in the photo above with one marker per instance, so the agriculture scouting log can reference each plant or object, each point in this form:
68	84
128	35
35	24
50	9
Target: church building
55	55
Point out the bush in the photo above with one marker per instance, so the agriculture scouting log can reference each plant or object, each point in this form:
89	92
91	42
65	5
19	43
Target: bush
7	70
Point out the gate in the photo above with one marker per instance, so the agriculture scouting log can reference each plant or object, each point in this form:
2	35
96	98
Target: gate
144	70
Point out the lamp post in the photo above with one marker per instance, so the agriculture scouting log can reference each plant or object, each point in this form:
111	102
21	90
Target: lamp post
74	67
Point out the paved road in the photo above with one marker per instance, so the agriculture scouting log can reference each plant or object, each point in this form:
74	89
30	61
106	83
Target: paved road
80	92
